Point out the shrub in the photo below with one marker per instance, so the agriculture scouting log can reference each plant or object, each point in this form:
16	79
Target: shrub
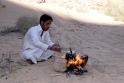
8	30
115	9
3	6
25	22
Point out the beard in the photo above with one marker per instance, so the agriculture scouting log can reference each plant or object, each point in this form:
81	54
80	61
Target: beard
45	29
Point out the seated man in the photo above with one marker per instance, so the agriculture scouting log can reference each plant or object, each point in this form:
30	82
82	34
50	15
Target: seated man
37	43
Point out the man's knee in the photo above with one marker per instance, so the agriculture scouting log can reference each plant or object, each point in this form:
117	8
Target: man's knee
26	55
51	51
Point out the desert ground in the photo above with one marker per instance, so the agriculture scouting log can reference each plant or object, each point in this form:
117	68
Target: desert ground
92	33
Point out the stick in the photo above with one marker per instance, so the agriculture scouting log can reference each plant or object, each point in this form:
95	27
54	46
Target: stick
55	75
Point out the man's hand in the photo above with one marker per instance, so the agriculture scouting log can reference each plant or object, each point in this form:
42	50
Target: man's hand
56	47
56	44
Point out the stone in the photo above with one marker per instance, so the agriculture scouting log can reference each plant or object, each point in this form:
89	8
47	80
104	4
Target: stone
59	64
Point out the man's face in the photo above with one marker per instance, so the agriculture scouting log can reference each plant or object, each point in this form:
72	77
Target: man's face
46	25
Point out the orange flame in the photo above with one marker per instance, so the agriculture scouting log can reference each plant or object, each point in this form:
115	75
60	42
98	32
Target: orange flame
75	61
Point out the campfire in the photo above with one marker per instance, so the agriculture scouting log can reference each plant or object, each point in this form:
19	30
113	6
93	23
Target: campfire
75	63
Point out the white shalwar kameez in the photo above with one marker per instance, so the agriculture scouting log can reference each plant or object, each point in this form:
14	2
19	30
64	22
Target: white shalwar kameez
35	46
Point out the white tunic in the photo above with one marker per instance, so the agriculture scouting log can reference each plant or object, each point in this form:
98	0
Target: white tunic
34	44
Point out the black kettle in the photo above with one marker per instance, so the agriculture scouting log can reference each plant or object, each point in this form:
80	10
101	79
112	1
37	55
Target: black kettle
70	54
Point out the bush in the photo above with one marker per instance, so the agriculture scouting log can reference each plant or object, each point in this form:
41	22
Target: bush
3	6
25	22
8	30
115	9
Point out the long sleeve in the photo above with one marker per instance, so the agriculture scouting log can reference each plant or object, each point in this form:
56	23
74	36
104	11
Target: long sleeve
34	44
48	40
36	41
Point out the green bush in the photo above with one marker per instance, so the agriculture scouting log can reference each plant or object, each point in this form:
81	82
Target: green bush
25	22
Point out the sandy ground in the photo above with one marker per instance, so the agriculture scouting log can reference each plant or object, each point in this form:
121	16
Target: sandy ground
91	33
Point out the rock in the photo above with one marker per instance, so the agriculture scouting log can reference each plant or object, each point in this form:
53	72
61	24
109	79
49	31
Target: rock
59	64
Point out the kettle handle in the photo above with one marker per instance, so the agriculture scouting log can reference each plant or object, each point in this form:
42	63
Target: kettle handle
70	50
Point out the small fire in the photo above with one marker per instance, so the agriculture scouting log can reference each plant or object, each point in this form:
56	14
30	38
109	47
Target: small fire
75	63
76	60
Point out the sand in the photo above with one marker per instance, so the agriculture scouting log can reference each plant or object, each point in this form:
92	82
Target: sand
92	33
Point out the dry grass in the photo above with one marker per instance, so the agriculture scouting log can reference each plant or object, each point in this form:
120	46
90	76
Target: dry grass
8	30
25	22
112	8
72	5
115	9
3	6
109	7
22	25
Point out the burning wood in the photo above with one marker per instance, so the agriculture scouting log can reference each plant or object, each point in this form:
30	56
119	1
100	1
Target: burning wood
75	63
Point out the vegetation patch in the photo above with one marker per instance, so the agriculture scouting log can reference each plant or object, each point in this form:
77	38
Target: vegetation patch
22	25
25	22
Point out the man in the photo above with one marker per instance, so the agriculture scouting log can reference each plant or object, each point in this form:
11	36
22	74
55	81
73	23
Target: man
37	43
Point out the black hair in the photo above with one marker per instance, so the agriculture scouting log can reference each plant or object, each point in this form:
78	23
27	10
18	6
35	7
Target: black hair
45	18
